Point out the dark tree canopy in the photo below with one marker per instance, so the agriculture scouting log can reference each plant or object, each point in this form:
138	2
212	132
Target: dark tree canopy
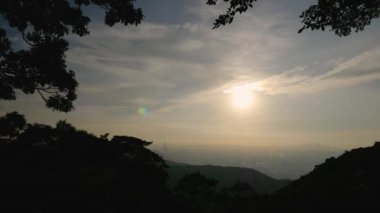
63	169
348	183
340	16
41	67
236	6
195	183
11	125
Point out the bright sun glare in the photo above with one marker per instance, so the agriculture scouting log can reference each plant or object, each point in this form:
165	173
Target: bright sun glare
242	99
242	96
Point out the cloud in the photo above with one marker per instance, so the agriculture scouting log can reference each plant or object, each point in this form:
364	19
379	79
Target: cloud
165	66
168	65
357	70
176	68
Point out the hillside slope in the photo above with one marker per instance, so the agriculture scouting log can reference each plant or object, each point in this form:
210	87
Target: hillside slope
349	182
227	176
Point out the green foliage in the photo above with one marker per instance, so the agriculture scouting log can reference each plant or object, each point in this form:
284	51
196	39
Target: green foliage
43	24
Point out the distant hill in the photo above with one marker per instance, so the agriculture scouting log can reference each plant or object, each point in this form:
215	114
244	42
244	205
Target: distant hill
350	183
227	176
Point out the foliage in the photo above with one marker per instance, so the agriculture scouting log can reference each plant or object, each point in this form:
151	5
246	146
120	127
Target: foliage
195	183
63	169
196	193
347	183
43	25
340	16
11	125
227	176
240	197
236	6
53	169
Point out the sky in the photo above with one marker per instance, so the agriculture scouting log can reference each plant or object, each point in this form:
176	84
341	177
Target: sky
256	83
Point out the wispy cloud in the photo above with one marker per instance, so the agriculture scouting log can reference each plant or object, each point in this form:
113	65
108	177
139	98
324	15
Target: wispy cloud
164	66
177	69
359	69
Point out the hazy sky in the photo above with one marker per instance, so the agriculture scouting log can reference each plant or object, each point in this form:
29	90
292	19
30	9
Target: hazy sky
169	80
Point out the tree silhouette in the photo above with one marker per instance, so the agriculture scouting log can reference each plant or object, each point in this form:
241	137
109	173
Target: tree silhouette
11	125
196	184
196	193
41	67
62	169
340	16
240	197
348	183
236	6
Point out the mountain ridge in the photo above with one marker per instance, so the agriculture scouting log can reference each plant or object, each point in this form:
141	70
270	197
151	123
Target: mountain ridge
227	176
346	183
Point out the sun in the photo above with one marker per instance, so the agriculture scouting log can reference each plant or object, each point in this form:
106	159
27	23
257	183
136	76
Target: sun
242	96
242	99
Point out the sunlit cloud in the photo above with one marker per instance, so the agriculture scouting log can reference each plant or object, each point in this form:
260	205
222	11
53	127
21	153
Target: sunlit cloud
357	70
170	65
173	73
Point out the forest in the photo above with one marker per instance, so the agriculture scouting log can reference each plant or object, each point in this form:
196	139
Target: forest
61	168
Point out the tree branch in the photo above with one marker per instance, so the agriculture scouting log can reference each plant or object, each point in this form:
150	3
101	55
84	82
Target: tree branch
26	40
42	96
